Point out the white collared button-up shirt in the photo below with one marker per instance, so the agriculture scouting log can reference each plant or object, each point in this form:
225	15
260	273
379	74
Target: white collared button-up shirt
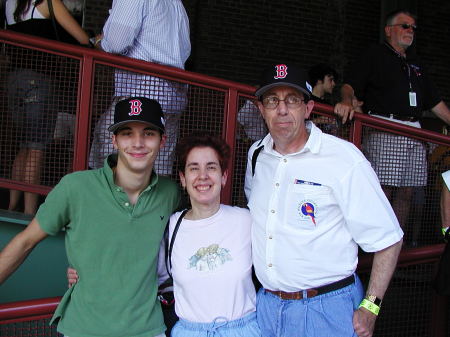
311	210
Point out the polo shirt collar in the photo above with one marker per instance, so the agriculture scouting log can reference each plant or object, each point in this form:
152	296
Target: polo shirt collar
111	161
409	54
312	144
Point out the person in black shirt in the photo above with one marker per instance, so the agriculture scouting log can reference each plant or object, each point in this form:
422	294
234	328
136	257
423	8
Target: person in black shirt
392	84
322	77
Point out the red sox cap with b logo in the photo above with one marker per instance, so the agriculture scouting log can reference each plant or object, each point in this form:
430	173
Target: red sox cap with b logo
138	109
284	74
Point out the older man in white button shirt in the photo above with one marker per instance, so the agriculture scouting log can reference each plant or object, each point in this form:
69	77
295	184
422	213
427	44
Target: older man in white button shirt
314	199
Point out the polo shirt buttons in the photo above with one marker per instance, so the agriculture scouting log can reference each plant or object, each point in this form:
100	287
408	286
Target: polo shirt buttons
272	211
269	265
285	160
118	189
270	237
277	184
127	204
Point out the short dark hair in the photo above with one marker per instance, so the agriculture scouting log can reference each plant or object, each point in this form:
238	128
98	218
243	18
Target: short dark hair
392	15
319	71
202	139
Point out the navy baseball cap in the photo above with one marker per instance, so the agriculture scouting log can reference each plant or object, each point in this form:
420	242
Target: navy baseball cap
138	109
284	75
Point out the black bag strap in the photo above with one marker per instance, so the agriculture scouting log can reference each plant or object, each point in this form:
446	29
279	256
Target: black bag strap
255	157
169	246
52	16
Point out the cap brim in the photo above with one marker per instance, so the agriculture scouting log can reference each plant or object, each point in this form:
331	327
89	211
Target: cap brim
262	90
114	127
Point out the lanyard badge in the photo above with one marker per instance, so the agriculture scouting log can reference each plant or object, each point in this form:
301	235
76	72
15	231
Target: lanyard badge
412	99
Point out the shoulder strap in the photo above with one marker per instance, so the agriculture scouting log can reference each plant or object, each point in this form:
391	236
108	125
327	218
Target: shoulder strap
52	17
169	246
32	11
255	157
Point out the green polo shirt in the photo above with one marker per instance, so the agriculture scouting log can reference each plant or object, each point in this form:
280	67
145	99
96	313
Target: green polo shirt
113	245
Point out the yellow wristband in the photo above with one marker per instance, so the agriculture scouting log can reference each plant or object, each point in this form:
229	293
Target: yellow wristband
372	307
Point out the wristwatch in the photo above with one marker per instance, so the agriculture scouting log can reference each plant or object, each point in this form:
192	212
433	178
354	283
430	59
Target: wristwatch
374	299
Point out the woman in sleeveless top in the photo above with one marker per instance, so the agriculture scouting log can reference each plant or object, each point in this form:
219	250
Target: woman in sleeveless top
31	93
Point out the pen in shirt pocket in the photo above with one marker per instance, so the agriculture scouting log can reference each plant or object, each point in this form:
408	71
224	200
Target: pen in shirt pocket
304	182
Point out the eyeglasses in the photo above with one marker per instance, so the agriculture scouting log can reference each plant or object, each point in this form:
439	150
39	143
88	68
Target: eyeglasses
291	101
405	26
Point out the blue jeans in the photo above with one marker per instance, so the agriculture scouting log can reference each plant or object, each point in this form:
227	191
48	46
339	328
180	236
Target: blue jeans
327	315
246	326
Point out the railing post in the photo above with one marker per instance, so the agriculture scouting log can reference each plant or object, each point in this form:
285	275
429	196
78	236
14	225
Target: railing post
84	105
439	314
356	133
231	107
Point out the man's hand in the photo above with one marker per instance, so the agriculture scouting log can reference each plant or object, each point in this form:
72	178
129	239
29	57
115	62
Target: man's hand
344	111
72	276
364	322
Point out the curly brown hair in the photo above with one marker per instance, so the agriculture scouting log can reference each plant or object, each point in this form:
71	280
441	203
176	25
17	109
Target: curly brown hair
202	139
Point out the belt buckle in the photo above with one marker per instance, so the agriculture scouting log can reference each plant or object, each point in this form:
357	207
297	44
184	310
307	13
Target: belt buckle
312	292
297	295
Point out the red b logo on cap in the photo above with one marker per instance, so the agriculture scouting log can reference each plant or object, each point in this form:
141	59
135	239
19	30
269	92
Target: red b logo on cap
281	70
135	107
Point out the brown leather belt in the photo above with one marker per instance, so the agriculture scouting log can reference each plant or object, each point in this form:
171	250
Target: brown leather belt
298	295
399	117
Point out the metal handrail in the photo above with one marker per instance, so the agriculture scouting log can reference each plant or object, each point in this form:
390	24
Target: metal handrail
29	310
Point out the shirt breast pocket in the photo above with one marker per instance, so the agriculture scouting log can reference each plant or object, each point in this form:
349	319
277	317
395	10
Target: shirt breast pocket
306	206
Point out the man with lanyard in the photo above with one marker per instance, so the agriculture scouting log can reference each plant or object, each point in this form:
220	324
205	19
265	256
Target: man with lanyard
114	218
308	220
393	85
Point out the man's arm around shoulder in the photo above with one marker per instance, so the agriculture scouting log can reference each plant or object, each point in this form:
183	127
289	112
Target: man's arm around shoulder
383	266
15	252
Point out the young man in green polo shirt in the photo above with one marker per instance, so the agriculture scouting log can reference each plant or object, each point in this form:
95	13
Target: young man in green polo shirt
114	219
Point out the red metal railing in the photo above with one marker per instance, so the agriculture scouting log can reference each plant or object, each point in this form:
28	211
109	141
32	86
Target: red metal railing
89	59
28	310
18	311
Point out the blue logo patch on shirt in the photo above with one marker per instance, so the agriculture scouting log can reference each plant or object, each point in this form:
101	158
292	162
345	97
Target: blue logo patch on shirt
307	209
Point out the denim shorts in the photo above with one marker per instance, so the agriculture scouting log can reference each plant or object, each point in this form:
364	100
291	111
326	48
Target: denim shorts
246	326
327	315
